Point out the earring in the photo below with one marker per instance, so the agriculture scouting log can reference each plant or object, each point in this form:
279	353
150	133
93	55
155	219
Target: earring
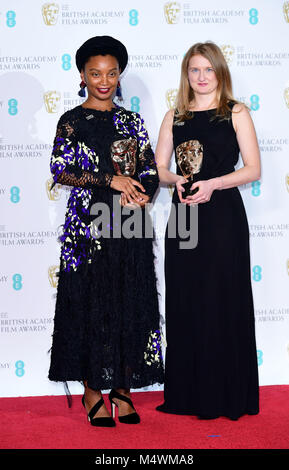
118	92
82	89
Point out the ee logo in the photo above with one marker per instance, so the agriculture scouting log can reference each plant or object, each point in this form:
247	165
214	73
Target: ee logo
19	368
17	281
256	190
10	19
259	357
254	100
257	273
66	62
133	17
253	16
14	194
135	101
12	106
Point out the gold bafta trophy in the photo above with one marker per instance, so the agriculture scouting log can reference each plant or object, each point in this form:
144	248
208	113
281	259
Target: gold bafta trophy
189	159
123	154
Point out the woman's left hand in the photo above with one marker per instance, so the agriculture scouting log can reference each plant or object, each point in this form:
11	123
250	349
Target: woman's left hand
204	194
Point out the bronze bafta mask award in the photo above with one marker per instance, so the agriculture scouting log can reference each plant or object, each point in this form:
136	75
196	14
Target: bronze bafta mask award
190	159
123	154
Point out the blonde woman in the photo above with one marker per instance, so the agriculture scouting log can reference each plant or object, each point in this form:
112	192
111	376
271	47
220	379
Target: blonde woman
211	363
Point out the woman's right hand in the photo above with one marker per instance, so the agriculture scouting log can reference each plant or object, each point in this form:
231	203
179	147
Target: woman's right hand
124	202
180	188
127	185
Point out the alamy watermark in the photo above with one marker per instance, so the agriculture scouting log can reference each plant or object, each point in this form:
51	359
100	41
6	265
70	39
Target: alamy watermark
182	222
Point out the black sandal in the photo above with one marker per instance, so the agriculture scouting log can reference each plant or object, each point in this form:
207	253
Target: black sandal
132	418
101	421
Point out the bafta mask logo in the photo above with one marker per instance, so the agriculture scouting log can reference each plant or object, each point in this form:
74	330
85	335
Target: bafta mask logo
286	96
50	13
287	182
171	96
286	11
52	101
54	193
172	12
228	53
53	279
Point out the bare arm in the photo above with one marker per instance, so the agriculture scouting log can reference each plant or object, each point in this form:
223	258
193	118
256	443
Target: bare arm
249	149
164	150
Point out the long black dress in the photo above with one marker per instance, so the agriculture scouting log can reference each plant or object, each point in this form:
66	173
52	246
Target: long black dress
106	325
211	362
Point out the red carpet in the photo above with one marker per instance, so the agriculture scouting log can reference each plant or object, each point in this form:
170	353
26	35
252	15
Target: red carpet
47	423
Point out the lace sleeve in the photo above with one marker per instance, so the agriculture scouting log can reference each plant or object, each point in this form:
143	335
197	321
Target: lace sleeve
147	168
64	166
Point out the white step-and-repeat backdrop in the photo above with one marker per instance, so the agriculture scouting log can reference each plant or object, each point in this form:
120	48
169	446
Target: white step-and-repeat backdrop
39	81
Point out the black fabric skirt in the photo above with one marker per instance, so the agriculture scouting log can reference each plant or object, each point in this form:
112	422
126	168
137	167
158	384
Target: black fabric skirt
107	324
211	360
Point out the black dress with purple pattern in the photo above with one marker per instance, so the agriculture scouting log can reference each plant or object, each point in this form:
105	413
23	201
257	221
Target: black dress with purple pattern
106	325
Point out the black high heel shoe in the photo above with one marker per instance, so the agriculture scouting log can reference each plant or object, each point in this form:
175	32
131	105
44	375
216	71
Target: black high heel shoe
132	418
101	421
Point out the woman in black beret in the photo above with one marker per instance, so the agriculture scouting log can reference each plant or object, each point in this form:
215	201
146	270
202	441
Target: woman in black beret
106	326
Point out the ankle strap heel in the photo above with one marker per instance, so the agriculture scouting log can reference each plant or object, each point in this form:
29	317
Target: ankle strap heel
132	418
112	409
101	421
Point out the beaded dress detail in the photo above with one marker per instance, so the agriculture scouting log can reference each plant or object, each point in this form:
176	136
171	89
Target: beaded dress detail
106	325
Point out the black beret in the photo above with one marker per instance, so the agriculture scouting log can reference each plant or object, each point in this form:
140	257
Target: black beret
101	45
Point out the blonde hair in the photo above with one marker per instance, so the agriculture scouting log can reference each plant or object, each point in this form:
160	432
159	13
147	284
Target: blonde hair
186	95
